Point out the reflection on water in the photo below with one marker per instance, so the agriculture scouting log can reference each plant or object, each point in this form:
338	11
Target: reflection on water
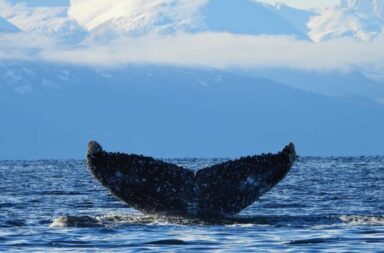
323	203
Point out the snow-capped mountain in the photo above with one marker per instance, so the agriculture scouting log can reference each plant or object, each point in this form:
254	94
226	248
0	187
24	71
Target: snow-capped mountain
52	103
358	19
371	7
49	21
106	20
174	112
246	17
7	27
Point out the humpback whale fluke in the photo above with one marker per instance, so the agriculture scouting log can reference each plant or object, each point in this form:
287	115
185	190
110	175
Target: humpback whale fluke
157	187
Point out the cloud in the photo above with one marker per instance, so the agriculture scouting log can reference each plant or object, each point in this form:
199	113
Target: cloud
24	46
216	50
223	51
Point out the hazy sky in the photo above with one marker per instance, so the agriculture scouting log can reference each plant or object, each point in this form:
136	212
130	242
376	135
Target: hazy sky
41	2
296	3
305	4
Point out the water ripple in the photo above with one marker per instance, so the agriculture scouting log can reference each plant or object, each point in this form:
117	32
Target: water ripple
323	203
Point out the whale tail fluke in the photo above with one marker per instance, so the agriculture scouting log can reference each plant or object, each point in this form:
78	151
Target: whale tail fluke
154	186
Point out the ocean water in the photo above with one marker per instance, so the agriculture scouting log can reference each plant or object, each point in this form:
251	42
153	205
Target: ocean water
323	205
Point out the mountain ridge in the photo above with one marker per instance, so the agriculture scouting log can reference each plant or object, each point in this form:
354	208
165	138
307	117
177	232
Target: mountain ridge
52	108
176	112
359	19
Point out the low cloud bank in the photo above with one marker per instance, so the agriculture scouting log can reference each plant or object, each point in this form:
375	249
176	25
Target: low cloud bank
217	50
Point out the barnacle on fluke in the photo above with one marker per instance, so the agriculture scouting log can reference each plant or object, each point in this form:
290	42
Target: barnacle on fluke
156	187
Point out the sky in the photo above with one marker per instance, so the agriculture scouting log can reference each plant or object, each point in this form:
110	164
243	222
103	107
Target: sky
41	2
303	4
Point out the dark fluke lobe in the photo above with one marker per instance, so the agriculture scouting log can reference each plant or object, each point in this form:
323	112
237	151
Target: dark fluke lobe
154	186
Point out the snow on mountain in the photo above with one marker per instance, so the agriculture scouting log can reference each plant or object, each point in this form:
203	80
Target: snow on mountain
371	7
246	17
50	21
359	19
297	17
119	18
105	20
7	27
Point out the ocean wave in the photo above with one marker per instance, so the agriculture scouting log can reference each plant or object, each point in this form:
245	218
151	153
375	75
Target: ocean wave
362	220
116	220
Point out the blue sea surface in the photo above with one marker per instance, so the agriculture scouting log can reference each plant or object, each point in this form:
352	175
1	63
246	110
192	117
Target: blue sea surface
323	205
